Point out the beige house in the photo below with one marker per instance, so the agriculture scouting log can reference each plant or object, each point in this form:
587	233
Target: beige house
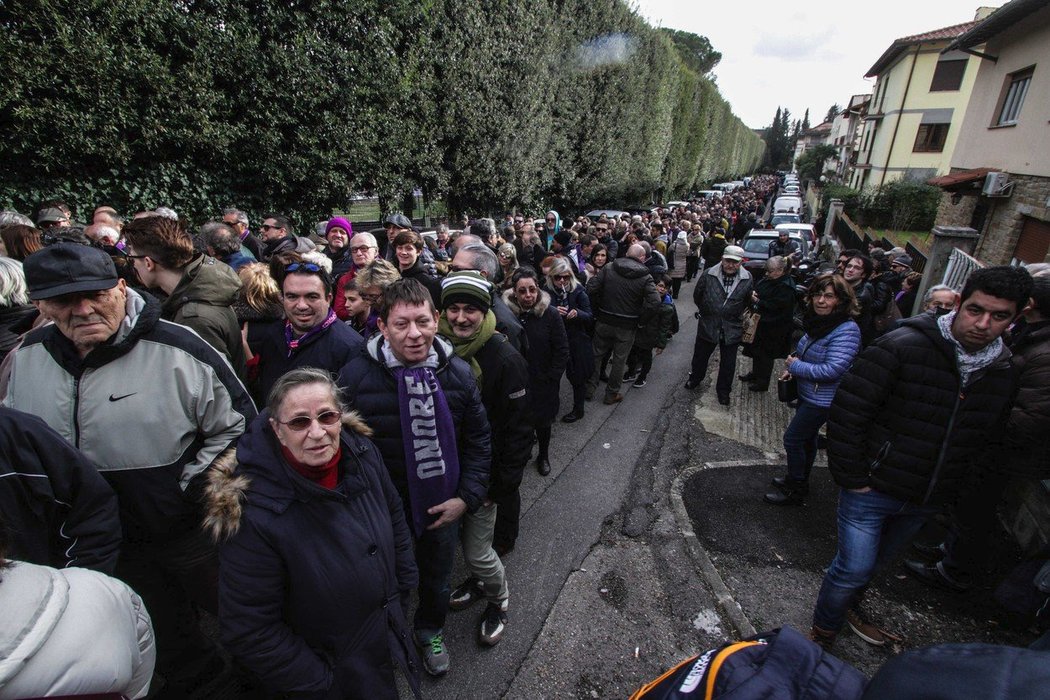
999	183
846	133
916	108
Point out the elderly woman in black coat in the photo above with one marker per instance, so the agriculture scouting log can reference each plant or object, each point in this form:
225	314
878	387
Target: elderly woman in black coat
547	356
570	300
774	301
317	566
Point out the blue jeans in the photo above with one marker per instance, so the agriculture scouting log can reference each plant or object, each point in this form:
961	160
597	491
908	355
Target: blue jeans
435	554
800	439
873	527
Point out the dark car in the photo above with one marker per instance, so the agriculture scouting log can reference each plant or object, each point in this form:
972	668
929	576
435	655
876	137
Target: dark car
756	248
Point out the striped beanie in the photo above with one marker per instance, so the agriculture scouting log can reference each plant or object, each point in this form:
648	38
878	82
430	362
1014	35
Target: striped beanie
466	287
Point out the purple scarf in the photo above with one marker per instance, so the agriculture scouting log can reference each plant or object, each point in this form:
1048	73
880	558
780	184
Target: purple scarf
294	343
429	437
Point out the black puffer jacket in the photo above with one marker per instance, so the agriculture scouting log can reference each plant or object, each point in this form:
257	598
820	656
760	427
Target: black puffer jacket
548	354
370	388
1026	450
622	293
901	421
504	392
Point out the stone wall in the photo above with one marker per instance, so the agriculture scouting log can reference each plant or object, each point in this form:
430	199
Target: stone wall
955	215
1029	198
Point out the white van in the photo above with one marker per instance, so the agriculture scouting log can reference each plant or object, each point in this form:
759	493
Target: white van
788	204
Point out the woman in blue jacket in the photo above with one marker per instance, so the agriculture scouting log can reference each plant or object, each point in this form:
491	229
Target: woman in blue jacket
317	566
824	354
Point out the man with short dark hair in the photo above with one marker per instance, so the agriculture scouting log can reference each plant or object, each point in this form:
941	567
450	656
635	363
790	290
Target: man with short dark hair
310	336
432	431
909	422
154	407
278	238
199	290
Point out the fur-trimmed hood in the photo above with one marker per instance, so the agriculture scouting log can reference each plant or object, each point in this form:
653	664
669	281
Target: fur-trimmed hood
258	472
542	304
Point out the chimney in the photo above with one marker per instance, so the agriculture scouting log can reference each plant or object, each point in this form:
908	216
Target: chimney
983	12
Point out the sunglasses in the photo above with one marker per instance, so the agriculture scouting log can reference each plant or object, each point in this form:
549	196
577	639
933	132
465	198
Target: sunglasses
563	277
303	267
301	423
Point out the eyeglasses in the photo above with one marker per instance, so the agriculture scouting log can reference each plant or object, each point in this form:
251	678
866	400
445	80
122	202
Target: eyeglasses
303	267
826	296
508	256
360	248
268	227
134	257
301	423
566	276
53	224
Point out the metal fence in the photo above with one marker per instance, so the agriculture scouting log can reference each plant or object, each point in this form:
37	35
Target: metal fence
852	236
959	267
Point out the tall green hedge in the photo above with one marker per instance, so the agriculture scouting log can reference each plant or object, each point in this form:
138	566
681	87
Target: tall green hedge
293	106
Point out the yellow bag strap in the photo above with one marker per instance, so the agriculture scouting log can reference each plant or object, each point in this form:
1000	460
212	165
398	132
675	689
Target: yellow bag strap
712	672
640	693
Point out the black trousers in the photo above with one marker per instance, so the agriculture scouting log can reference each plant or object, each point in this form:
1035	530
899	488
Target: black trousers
702	352
676	286
640	359
761	367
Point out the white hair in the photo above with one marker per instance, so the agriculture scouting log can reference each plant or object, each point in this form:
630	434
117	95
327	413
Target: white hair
166	213
13	290
318	258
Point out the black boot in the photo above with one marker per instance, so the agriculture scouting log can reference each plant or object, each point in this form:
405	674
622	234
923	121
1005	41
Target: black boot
543	465
573	416
792	493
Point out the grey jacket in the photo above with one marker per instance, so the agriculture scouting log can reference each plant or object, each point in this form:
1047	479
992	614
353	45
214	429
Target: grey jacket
720	314
622	293
152	408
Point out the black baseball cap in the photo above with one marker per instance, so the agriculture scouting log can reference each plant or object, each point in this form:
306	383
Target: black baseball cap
65	268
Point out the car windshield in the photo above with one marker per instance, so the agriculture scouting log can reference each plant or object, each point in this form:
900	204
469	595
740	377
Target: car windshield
757	245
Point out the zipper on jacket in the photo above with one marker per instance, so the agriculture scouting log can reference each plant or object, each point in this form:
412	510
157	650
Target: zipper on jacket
76	413
944	446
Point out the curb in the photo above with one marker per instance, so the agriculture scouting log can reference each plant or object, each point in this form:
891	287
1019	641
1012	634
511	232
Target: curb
726	602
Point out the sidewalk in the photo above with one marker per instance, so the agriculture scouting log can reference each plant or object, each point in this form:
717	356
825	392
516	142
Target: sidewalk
771	559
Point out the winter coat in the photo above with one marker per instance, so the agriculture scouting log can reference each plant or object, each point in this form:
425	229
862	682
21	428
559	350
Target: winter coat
152	409
901	421
657	265
548	355
656	329
504	393
58	509
202	300
823	363
622	292
288	244
10	318
507	324
776	306
328	350
1025	452
369	387
578	330
873	298
342	261
676	258
721	315
313	581
712	248
72	632
419	273
238	260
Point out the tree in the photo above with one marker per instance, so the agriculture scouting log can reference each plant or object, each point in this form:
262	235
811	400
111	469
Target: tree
695	50
805	120
811	163
833	111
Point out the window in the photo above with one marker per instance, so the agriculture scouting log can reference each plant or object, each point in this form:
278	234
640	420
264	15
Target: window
948	75
930	138
1013	97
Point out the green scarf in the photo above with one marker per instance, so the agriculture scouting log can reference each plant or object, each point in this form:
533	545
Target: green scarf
466	348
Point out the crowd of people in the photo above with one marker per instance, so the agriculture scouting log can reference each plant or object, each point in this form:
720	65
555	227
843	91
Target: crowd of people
213	420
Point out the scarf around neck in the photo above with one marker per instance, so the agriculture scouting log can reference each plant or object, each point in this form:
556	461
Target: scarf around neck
294	343
968	362
817	326
466	348
428	436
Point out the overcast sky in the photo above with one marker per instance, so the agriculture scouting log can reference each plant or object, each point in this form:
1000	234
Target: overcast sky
800	55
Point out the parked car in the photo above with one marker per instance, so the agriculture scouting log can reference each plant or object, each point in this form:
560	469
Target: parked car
807	231
789	204
708	194
778	219
611	213
756	248
792	190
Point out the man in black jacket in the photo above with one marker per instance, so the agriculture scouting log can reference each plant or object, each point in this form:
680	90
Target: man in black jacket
468	322
409	380
907	424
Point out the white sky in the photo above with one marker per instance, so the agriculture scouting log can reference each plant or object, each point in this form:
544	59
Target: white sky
800	55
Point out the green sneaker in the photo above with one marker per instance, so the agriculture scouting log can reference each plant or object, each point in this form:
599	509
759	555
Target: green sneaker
435	655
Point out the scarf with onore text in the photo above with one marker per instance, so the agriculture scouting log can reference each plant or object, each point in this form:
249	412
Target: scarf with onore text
428	436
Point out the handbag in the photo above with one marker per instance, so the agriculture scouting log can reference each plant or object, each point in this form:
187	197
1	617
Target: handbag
787	389
750	321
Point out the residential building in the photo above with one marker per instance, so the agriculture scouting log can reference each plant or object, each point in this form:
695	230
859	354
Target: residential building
916	108
846	132
1005	131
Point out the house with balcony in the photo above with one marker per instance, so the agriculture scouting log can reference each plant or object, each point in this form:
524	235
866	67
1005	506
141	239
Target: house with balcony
999	183
914	117
846	132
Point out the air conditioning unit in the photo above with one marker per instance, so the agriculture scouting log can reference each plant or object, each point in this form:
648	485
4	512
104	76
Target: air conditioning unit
997	185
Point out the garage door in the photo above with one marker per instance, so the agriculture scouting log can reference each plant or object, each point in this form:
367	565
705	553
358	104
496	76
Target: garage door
1034	242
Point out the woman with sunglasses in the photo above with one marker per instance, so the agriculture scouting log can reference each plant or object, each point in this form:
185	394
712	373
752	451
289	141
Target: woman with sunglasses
316	555
507	256
570	300
824	355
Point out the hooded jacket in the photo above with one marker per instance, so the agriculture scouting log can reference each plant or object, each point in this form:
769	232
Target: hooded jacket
369	387
313	581
59	510
720	313
202	300
901	421
622	292
548	354
72	632
153	408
